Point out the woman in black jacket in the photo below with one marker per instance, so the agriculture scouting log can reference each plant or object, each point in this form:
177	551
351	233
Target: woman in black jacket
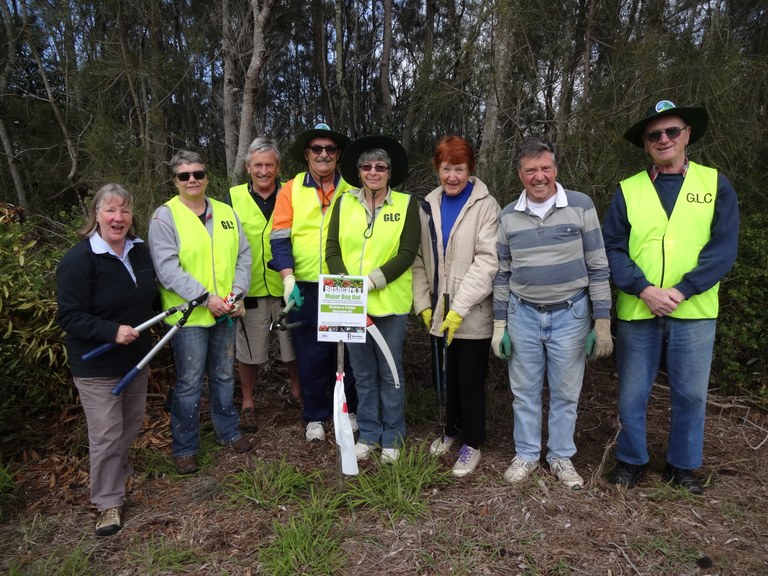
106	285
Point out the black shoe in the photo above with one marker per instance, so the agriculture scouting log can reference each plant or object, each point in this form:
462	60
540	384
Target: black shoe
625	474
684	478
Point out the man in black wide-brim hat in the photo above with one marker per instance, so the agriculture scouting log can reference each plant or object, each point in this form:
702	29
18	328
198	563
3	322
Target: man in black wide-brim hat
671	234
299	229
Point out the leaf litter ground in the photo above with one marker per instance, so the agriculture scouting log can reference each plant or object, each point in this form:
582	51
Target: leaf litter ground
476	525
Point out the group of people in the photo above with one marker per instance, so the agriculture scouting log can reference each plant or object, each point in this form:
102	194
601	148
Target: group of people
530	282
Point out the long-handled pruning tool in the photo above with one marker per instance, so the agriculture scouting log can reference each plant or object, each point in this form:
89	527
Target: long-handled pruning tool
187	309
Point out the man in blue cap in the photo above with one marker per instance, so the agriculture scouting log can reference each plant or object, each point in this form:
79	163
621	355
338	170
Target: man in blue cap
299	230
671	234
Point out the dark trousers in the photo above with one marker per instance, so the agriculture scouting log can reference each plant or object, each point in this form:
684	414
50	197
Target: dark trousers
465	407
316	361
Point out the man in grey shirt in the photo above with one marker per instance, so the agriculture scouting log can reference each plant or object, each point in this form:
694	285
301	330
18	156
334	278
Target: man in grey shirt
553	277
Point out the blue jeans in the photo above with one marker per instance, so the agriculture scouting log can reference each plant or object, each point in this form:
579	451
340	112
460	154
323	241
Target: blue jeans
197	351
316	361
550	343
687	345
380	406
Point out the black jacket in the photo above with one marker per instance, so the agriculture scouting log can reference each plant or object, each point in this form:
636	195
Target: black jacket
96	295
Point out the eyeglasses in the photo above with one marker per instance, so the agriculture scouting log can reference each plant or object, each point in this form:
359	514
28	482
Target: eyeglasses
672	133
198	174
367	167
317	149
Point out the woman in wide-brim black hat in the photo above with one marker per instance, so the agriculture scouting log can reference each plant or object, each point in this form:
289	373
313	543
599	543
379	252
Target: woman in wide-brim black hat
374	232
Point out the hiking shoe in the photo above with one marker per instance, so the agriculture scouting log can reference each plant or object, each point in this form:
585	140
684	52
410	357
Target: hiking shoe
109	522
362	451
390	455
241	445
625	474
467	462
441	445
353	422
566	473
186	464
520	469
248	420
315	431
686	479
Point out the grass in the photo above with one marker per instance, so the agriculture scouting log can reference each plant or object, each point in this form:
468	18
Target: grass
8	496
268	485
157	555
310	542
398	488
74	562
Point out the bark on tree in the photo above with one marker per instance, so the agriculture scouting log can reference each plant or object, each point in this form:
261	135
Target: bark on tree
10	154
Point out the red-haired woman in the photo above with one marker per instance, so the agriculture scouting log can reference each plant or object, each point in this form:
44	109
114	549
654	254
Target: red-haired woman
457	257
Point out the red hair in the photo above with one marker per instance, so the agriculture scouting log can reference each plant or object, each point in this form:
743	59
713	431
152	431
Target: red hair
454	150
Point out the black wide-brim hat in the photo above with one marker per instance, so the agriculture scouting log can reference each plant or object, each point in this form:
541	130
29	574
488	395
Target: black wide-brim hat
352	154
319	131
696	118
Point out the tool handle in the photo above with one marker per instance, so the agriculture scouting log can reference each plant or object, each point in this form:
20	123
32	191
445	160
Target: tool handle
98	351
127	379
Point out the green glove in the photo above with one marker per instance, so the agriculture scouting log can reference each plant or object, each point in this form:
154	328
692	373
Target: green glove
589	348
291	291
500	343
450	325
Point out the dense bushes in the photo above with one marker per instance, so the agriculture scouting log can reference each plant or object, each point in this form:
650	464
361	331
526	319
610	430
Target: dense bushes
740	363
33	371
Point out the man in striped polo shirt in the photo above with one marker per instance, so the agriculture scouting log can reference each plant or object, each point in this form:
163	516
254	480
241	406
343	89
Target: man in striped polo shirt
552	280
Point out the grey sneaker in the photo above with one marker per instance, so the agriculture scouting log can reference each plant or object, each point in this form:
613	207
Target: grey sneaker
467	462
390	455
362	451
109	522
315	431
566	473
519	470
353	422
441	445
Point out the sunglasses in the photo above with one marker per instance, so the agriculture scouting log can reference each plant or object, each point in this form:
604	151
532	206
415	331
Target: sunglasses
367	167
317	149
671	133
184	176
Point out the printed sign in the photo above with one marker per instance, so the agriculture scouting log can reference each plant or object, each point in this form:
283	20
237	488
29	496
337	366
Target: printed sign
341	314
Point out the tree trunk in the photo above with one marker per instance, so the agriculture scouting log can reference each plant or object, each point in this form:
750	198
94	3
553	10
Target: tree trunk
342	121
251	87
386	56
10	155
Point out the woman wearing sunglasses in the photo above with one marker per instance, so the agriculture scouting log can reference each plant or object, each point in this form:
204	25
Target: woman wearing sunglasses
379	238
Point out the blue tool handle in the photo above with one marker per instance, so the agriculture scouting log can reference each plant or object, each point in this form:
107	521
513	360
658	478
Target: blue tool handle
98	351
127	379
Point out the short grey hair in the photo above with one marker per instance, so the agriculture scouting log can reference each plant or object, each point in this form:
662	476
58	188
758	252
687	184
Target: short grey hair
374	155
186	157
531	147
263	144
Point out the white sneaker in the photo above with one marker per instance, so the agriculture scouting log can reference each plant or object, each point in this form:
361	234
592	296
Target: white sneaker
390	454
315	431
353	422
519	470
441	445
362	451
467	462
566	473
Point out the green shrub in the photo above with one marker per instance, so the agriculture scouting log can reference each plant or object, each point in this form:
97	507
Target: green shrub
740	365
33	361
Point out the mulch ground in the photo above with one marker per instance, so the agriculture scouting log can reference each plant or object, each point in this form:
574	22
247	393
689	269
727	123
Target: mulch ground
476	525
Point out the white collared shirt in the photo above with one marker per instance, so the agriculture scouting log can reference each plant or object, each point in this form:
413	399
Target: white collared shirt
100	246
